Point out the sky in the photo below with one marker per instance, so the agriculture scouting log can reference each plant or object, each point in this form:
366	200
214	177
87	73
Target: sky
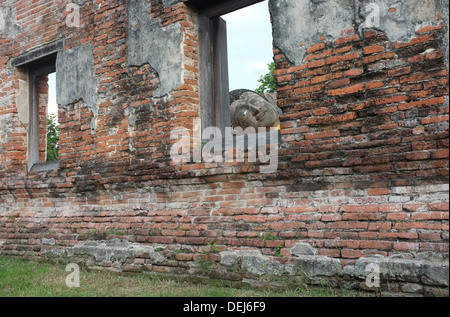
249	33
52	106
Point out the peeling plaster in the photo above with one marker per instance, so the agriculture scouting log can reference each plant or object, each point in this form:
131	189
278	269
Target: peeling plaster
161	48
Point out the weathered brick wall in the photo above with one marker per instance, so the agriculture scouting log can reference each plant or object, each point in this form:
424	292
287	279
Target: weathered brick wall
363	164
367	119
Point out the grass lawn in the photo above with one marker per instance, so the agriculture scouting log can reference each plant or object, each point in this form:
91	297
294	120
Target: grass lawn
23	278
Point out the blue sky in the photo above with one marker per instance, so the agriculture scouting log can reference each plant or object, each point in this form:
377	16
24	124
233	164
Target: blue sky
249	48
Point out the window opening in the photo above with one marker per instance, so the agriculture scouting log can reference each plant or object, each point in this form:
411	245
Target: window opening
40	94
215	53
53	131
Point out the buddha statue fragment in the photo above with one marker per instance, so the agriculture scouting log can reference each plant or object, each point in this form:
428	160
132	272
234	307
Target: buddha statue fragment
248	109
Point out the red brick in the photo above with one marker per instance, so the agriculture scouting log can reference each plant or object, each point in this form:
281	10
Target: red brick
345	40
348	225
400	71
342	58
354	72
380	245
321	55
331	217
418	225
391	100
430	216
373	85
325	78
418	156
346	91
422	76
439	206
332	253
430	28
430	236
380	226
435	119
373	49
352	254
434	55
339	83
289	70
417	40
416	59
316	47
184	257
315	64
399	235
406	246
422	103
315	234
390	208
309	89
375	58
377	191
441	247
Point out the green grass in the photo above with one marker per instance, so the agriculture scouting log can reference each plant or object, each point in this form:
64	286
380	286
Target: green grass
23	278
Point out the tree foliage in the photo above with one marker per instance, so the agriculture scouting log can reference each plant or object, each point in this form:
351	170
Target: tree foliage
53	133
268	83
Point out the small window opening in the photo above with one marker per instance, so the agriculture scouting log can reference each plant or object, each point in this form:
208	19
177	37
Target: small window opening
53	131
40	67
43	132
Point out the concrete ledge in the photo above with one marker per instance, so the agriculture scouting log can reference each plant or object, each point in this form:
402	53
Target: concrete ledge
409	275
116	249
407	270
253	263
394	276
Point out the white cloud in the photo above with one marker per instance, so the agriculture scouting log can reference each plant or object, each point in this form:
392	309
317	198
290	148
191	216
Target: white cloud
251	15
257	66
53	108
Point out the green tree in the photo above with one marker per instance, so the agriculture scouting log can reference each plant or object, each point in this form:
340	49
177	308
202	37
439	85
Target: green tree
53	133
268	83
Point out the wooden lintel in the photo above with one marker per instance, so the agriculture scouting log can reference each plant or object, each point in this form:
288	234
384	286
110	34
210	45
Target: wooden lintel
216	8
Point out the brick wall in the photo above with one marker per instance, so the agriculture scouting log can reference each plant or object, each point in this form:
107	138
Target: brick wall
366	122
363	164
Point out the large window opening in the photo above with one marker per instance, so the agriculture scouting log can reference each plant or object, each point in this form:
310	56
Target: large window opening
250	48
229	52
